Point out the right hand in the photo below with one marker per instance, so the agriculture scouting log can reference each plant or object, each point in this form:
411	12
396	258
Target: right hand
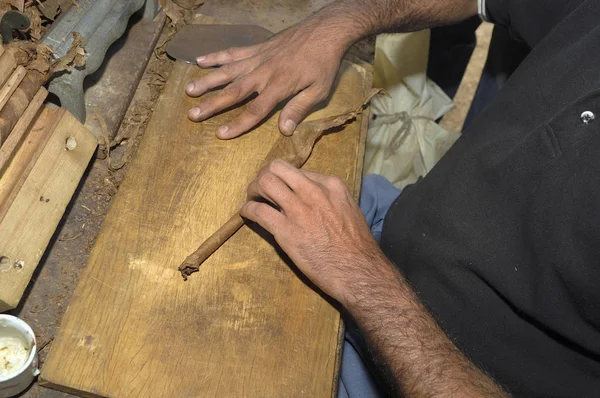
299	62
320	227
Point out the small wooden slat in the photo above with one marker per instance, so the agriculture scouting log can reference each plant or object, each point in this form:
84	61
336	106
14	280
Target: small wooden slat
11	85
16	171
22	126
7	65
39	205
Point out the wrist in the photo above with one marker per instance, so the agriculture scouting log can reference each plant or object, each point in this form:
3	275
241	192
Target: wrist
343	23
372	276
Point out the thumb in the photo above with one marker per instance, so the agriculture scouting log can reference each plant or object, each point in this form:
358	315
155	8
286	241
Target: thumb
298	108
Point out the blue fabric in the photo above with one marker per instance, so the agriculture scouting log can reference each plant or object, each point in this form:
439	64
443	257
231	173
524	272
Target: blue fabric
356	381
376	196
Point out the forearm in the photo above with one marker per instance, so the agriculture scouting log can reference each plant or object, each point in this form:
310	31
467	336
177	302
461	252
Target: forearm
351	20
409	348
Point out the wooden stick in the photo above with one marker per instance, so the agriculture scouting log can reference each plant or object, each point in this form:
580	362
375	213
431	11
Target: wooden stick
7	65
295	150
11	85
21	127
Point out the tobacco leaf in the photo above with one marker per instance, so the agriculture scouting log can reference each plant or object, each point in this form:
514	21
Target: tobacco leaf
38	57
295	150
36	30
178	15
189	4
51	9
18	4
75	57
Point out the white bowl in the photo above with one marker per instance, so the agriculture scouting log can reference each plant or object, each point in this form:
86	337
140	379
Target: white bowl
15	380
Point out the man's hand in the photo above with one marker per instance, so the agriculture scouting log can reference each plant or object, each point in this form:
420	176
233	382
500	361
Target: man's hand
300	62
317	223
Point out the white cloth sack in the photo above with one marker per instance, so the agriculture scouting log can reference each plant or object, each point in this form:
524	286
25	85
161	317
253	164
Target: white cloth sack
403	141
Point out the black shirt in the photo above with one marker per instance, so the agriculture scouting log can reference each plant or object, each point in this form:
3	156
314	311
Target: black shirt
502	239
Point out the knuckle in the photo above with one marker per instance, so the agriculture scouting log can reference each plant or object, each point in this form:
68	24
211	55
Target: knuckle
317	191
261	211
321	94
228	70
257	109
230	53
233	90
264	181
276	165
336	183
282	81
299	109
269	64
272	167
250	189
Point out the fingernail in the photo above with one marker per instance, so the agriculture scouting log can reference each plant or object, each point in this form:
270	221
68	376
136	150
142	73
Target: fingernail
289	126
221	131
190	87
194	113
200	58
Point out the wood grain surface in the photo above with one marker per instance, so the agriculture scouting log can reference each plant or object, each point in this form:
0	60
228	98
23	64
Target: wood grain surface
39	201
245	324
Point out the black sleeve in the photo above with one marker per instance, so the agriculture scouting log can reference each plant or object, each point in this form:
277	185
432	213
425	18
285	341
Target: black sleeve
530	20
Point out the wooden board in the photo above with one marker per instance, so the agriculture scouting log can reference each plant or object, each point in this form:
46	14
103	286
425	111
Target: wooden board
245	325
39	201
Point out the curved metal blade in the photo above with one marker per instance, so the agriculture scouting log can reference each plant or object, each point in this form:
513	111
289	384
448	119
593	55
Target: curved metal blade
194	40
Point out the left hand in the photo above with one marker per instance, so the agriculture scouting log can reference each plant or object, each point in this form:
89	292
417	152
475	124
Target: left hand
318	224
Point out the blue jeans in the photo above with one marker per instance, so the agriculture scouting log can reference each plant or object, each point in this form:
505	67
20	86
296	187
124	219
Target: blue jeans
356	381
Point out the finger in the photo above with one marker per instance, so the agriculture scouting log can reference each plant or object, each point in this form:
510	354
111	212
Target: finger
227	56
230	95
316	177
272	188
263	214
211	80
294	178
331	183
298	108
254	112
218	77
